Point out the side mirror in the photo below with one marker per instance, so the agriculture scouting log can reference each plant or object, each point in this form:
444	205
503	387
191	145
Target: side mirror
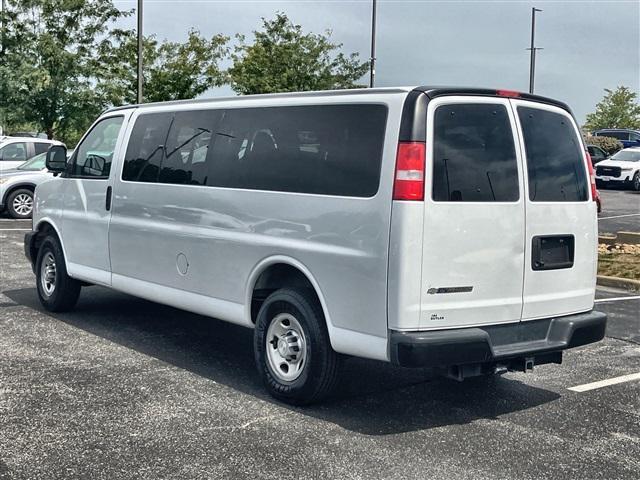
56	161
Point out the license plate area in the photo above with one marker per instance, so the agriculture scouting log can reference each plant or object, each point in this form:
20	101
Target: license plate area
552	252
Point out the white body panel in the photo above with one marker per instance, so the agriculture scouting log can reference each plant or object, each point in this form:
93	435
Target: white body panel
565	291
476	245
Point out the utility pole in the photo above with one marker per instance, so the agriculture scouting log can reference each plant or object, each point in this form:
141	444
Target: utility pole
140	78
532	66
372	60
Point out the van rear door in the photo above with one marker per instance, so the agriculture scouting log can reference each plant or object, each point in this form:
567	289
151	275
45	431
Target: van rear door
474	214
561	225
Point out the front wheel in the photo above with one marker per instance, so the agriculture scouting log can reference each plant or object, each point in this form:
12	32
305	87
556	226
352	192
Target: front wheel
292	349
635	183
20	203
57	291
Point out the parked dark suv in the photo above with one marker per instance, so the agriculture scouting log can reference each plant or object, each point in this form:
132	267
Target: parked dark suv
597	154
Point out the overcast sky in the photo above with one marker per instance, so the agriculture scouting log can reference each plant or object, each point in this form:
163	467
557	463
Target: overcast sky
588	45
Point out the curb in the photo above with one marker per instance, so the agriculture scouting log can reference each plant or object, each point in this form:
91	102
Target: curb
629	238
617	282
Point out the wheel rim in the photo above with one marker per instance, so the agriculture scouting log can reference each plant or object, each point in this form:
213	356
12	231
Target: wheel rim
23	204
286	347
48	274
636	182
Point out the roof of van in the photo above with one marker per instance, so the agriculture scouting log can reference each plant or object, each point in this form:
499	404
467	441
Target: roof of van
430	91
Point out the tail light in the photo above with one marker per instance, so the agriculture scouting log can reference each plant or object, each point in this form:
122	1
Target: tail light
592	177
409	179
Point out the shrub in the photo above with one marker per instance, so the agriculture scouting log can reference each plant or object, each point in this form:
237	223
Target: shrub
608	144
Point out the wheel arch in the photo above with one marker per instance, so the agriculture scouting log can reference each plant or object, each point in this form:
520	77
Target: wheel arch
259	277
42	229
13	188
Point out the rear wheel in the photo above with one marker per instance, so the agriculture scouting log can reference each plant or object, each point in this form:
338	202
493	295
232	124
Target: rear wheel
20	203
292	349
57	291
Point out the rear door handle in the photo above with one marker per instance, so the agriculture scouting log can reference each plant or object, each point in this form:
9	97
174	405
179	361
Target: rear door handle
107	203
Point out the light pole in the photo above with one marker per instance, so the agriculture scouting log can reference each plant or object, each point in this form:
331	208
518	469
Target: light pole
532	66
140	78
372	60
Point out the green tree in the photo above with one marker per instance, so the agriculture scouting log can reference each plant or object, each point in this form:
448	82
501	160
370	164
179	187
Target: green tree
171	70
283	59
48	59
618	109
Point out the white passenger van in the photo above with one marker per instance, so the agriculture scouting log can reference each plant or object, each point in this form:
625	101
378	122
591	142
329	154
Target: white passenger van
427	227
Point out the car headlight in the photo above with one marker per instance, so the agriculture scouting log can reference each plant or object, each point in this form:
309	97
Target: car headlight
626	169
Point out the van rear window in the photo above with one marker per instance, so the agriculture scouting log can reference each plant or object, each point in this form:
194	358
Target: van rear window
474	157
323	149
555	162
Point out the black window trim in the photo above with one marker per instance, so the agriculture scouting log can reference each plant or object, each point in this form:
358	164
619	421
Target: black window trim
72	160
224	110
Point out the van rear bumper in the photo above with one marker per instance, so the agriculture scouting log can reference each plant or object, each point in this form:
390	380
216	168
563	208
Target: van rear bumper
494	343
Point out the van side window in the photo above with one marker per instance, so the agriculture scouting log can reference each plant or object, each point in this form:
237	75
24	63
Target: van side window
146	147
93	156
555	162
322	149
41	147
188	147
474	157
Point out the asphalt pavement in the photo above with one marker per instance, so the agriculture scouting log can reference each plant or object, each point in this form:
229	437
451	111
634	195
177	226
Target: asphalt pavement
124	388
620	211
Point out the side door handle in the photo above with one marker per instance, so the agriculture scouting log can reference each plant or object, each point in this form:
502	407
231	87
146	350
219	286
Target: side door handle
107	204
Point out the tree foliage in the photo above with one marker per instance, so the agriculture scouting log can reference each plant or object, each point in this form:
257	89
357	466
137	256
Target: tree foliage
608	144
171	70
63	61
618	109
283	59
48	52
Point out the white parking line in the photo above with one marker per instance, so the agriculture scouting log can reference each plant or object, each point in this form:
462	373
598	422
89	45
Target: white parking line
619	216
617	299
605	383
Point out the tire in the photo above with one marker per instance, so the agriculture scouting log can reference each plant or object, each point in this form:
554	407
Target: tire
57	291
20	203
635	183
294	318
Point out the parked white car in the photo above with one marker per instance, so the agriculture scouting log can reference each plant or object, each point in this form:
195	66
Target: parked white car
623	169
14	151
17	186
